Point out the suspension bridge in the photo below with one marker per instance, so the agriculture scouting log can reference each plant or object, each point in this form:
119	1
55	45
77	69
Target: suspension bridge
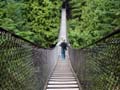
25	66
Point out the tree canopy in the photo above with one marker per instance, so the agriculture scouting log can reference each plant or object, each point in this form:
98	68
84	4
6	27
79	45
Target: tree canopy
35	20
39	20
92	19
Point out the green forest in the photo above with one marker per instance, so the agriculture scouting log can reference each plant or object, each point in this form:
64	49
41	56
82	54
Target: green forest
39	20
35	20
90	20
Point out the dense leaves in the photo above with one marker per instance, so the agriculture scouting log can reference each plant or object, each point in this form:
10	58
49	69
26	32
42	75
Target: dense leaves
92	19
35	20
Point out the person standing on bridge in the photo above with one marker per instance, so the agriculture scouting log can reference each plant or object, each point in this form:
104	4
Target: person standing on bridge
64	46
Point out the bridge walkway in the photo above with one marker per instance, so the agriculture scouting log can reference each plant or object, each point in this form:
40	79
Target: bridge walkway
63	77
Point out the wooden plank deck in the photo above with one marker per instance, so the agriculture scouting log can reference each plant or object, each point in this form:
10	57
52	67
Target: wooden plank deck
63	77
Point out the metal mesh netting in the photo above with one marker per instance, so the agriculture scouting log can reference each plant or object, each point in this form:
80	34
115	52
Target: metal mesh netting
22	65
44	62
98	66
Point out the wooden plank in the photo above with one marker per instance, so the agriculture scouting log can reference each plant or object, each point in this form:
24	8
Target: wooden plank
62	77
63	89
68	82
62	80
62	86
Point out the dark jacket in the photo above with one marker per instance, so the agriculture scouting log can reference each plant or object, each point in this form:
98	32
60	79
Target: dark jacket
64	45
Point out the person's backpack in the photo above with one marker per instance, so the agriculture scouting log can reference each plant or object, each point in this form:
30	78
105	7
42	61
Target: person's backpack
64	45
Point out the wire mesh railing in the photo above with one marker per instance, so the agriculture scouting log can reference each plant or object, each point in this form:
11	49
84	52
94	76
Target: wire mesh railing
23	66
98	65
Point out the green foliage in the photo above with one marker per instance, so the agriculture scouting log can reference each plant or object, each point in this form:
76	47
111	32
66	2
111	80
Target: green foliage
92	19
35	20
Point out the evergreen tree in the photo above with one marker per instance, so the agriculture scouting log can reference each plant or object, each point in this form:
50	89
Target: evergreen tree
35	20
91	20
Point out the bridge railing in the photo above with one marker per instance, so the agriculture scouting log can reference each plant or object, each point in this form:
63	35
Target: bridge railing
23	65
98	65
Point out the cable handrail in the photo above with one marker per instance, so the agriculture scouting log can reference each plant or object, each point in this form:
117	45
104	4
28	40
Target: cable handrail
98	65
19	37
23	64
